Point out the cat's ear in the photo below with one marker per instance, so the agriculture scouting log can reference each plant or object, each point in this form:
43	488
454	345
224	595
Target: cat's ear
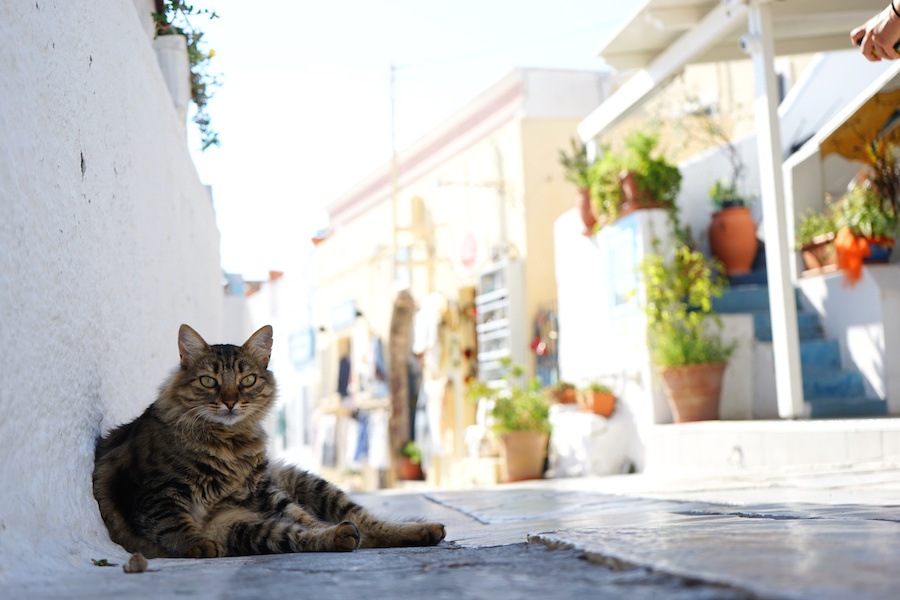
260	344
190	345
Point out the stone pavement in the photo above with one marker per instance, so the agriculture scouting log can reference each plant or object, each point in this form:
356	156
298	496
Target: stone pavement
787	534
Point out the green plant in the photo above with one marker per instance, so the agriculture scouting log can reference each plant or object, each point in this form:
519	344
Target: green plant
724	193
814	224
517	405
597	388
173	17
411	451
884	170
678	305
558	390
868	213
654	175
606	191
657	179
575	164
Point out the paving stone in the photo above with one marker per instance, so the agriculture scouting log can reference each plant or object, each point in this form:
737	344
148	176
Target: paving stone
771	534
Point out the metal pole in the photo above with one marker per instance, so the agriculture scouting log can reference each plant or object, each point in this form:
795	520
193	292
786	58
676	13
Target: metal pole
394	173
782	297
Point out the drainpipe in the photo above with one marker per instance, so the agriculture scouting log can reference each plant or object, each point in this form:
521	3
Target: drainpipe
782	297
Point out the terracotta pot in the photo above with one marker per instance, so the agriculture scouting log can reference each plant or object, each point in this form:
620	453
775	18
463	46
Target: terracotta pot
694	391
567	396
633	197
408	470
522	455
586	211
819	253
599	403
732	239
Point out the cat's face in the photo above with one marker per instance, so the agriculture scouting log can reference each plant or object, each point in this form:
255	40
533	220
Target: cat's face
225	384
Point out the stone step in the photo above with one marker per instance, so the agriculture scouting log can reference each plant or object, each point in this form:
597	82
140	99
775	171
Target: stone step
754	277
744	298
833	384
835	407
808	325
820	354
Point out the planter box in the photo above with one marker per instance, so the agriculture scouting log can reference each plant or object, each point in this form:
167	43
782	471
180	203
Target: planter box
819	256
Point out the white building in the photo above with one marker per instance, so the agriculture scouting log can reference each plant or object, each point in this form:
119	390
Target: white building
764	380
107	244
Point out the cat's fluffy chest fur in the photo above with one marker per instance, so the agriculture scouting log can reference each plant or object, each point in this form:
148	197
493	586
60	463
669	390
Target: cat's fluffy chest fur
190	476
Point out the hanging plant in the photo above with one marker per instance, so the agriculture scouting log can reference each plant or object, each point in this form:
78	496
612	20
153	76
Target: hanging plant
173	17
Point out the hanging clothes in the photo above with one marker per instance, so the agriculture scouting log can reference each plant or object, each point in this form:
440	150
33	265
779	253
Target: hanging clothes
379	386
343	387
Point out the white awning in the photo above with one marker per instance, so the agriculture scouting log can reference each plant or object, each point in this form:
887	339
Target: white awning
663	36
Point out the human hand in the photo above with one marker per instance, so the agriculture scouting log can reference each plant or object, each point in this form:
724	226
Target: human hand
878	36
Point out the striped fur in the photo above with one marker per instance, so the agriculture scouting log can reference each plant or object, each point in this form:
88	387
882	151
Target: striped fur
190	476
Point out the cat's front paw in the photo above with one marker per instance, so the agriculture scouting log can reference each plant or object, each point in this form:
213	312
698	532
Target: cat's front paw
205	549
346	536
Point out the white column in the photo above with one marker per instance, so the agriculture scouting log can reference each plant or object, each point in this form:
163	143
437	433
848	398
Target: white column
782	297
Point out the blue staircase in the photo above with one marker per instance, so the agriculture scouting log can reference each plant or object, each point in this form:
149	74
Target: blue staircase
828	390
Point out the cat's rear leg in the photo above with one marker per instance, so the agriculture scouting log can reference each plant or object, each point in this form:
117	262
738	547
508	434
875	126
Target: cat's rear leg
377	533
244	533
326	502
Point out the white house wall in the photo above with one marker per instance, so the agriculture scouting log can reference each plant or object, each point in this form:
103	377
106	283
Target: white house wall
107	243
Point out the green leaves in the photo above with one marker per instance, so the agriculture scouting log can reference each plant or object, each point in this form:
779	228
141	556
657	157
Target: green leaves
517	405
575	164
814	224
176	20
678	305
868	213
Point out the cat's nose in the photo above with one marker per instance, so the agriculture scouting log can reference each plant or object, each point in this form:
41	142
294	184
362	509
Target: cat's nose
229	402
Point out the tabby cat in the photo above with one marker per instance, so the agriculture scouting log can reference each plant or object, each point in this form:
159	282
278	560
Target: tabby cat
190	477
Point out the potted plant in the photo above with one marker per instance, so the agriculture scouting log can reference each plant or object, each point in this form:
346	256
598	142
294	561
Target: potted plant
563	392
648	179
173	18
410	465
683	330
576	168
732	231
814	240
639	177
521	419
606	189
867	225
598	399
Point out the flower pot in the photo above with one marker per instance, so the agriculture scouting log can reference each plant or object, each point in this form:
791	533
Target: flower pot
586	211
633	197
522	455
732	239
693	391
408	470
599	403
879	251
172	56
819	253
567	396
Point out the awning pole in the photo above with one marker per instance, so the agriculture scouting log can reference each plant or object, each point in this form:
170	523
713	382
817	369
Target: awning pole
782	297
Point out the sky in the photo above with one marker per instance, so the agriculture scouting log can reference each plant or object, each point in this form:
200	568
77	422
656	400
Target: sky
303	112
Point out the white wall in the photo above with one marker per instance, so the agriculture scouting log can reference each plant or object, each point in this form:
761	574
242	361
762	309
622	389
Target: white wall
107	243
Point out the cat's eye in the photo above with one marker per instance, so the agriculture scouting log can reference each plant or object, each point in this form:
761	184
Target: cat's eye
248	380
207	382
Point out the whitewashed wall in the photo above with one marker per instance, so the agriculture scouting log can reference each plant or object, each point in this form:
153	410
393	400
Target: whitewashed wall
107	243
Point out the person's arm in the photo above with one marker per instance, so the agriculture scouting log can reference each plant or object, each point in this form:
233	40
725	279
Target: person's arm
878	36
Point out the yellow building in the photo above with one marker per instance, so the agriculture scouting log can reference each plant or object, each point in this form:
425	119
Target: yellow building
466	211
